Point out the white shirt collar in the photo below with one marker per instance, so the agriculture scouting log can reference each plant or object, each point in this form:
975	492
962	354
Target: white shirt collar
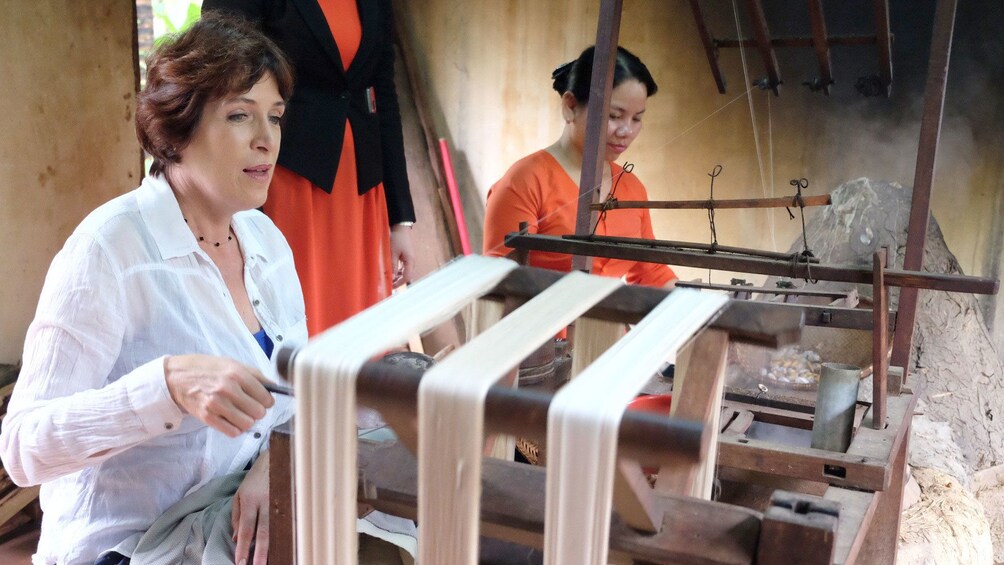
160	210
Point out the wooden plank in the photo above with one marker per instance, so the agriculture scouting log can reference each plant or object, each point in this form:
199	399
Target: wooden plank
883	443
740	424
840	469
698	388
923	178
880	540
282	532
856	511
795	520
633	499
15	501
738	203
512	509
880	339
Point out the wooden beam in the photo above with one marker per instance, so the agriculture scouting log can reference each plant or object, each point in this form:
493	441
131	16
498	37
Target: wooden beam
606	247
743	203
594	146
884	44
687	245
923	178
879	544
832	41
764	290
819	43
880	340
281	522
710	50
762	35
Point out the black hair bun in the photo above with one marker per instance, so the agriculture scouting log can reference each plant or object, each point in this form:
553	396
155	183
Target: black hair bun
560	77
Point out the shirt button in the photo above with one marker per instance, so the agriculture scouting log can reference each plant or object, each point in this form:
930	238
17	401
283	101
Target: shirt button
278	338
257	435
256	302
168	426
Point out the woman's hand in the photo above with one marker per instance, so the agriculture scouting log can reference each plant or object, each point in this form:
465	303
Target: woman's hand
402	254
249	516
222	393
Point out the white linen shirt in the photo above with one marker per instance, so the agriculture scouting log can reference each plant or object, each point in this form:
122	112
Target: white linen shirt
91	418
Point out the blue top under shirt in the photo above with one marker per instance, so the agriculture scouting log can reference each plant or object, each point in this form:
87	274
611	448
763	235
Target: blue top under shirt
265	342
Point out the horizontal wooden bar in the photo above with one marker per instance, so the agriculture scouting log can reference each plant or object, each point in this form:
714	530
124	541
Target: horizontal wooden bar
838	469
764	290
781	202
691	246
833	40
764	266
524	413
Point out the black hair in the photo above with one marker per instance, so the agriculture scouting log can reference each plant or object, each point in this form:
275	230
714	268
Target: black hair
575	76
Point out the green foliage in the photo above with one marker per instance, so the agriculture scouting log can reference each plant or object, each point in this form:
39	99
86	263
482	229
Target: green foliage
172	16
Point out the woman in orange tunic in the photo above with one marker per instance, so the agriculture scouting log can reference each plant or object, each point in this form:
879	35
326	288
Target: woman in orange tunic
541	188
340	191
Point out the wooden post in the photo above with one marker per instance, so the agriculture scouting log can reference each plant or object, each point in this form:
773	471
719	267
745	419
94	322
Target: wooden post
698	388
923	178
282	533
880	340
798	528
593	153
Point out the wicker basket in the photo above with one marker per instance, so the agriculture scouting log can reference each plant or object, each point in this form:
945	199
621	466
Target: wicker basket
833	345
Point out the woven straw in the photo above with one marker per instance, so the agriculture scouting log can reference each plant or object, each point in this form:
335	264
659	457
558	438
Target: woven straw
834	345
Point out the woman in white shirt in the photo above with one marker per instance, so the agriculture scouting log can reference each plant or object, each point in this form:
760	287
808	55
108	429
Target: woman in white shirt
142	372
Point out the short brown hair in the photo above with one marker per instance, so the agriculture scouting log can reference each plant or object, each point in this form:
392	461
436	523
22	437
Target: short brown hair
218	56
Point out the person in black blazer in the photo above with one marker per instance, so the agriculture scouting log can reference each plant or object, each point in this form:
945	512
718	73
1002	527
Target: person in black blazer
326	97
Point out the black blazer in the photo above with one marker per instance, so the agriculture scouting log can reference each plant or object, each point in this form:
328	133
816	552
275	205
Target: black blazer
326	94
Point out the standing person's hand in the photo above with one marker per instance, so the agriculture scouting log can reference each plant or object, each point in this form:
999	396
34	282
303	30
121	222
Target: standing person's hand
402	254
249	515
221	392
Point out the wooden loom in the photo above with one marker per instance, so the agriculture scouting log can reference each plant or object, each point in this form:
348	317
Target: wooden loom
868	524
855	518
857	493
512	500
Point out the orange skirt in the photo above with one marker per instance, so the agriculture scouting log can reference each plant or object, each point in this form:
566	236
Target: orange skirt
340	241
